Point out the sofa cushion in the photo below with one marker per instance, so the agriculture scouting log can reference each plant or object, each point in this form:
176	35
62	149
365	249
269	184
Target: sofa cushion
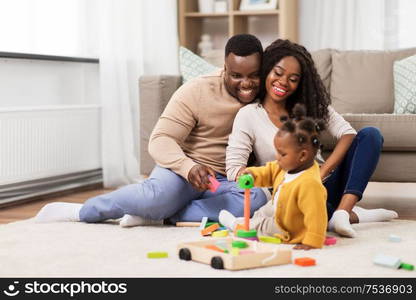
154	94
405	86
362	81
397	130
322	59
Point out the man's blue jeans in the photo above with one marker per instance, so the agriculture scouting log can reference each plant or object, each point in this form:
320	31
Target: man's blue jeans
167	195
354	172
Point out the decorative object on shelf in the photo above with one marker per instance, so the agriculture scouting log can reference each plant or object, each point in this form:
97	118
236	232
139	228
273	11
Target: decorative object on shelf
206	6
258	4
207	51
205	45
220	6
215	57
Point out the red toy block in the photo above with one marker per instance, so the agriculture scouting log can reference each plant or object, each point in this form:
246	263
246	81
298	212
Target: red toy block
305	261
214	184
330	240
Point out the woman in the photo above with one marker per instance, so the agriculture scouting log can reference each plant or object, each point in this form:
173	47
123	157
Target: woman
288	77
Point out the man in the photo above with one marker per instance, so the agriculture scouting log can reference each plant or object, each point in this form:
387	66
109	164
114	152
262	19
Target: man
188	144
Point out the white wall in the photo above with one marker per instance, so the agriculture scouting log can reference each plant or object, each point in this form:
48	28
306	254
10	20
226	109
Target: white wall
25	82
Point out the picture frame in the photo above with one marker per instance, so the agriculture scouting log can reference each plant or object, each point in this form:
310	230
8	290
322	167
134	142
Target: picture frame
258	4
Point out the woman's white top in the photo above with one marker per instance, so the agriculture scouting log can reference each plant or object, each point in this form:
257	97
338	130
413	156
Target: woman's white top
253	131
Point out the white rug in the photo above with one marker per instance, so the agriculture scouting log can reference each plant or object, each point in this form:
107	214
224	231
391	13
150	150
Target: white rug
28	249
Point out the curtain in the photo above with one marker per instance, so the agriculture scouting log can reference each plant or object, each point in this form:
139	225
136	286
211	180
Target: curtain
357	24
130	37
135	38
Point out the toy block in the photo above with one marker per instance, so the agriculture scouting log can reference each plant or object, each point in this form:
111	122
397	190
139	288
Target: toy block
219	233
188	224
330	240
235	251
408	267
216	248
213	186
212	223
253	238
239	244
221	244
269	239
394	238
387	261
203	223
246	181
239	227
157	254
247	233
305	261
210	229
243	252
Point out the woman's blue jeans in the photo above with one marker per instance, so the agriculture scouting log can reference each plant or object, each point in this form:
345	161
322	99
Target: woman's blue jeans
354	172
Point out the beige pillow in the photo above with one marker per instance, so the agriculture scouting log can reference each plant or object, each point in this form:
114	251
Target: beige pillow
362	81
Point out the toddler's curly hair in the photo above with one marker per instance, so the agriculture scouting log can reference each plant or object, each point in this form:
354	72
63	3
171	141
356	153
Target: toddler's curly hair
305	129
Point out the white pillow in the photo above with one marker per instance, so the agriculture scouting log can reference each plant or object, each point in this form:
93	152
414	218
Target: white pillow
404	72
192	65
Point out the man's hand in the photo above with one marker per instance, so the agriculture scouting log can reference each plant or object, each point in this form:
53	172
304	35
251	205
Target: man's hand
302	247
198	177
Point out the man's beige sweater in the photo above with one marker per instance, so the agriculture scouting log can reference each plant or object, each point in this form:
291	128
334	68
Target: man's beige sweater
195	125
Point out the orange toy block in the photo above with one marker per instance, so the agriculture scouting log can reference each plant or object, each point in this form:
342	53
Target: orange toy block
210	229
305	261
239	227
215	248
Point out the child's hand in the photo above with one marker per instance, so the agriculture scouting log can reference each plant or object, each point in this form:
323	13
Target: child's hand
303	247
243	171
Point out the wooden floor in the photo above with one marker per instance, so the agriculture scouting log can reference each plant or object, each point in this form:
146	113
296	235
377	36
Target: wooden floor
30	209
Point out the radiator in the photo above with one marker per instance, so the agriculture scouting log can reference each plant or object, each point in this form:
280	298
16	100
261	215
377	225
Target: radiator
45	142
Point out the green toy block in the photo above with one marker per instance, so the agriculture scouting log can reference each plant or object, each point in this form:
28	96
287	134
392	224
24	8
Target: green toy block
408	267
239	244
246	233
246	181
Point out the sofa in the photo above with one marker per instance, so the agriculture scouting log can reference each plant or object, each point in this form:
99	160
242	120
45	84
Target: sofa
361	87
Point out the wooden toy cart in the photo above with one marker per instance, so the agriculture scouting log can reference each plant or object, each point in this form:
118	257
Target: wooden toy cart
263	254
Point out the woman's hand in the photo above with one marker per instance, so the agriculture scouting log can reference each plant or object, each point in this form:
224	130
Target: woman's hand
240	172
303	247
325	173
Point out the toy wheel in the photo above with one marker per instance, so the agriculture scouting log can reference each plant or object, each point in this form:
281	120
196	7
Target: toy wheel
185	254
217	262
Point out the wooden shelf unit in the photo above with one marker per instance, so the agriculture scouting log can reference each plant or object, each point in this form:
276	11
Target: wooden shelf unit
285	21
